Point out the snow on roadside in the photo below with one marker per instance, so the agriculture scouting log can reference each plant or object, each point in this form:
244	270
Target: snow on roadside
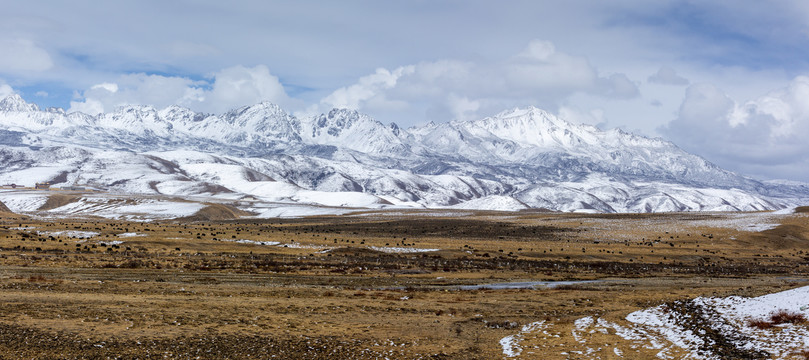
306	246
130	234
785	211
279	244
752	222
400	250
579	326
658	321
492	202
254	242
412	213
296	211
110	243
511	344
70	233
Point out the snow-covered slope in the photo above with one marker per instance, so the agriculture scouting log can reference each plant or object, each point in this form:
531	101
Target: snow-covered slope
771	326
517	159
693	325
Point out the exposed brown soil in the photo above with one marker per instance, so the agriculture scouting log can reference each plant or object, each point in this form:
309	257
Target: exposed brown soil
215	286
58	200
215	212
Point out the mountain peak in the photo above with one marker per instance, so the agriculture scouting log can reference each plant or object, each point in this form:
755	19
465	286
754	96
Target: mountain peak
262	109
135	109
530	126
268	105
356	131
519	157
526	111
15	102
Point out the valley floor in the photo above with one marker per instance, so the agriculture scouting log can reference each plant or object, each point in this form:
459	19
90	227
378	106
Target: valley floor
386	284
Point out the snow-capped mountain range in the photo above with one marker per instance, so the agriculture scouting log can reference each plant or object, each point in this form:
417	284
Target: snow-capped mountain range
518	159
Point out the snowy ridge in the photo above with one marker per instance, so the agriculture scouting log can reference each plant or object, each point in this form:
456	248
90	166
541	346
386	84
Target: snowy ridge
705	328
518	159
731	318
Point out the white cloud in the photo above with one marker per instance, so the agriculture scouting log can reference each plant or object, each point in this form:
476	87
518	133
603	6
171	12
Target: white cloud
539	50
5	90
618	86
667	76
239	86
88	106
786	111
461	107
111	87
450	89
540	66
575	115
229	88
367	88
156	90
433	79
442	90
764	136
23	55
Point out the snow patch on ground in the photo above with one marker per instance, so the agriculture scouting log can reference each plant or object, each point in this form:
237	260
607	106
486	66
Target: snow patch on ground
307	246
702	328
129	208
295	211
70	233
399	250
511	344
419	213
254	242
493	202
22	201
130	234
655	321
579	326
785	211
729	317
110	243
752	222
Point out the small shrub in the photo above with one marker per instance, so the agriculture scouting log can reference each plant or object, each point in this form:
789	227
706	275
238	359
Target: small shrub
777	318
803	354
505	324
784	317
759	324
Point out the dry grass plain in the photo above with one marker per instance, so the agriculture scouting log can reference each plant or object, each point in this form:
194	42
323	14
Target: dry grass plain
336	287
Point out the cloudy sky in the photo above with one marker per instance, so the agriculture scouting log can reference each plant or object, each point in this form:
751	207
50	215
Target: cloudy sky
728	80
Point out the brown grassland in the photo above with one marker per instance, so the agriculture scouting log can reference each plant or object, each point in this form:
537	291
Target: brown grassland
187	289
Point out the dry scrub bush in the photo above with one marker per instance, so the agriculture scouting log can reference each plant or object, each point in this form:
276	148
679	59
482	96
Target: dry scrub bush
784	316
803	354
776	318
759	324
